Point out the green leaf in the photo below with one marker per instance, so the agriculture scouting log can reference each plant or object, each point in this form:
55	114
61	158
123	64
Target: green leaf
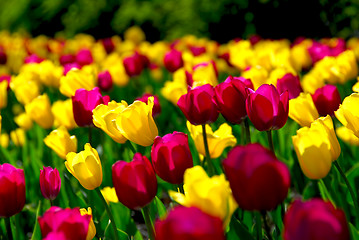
238	231
354	232
36	234
161	209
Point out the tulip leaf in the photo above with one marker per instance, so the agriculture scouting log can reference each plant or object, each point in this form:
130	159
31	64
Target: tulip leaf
161	209
238	231
324	191
354	232
36	234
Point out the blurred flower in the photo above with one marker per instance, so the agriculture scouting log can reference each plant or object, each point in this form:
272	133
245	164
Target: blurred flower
171	156
3	94
84	57
204	73
348	113
104	80
189	223
135	182
290	83
230	97
258	75
49	73
23	121
134	34
50	182
83	102
86	167
300	55
327	100
259	181
76	79
266	109
6	78
18	137
61	142
347	135
109	193
136	123
118	73
198	105
316	147
39	110
4	138
173	90
315	219
108	44
302	110
25	90
33	58
173	60
70	66
12	190
91	233
66	59
68	223
217	141
133	64
156	110
212	195
63	113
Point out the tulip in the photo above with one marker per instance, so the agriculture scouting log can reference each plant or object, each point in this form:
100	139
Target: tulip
85	167
327	100
257	74
12	190
4	138
316	148
33	58
266	109
156	110
104	80
84	57
205	73
133	64
23	121
348	113
3	94
190	224
63	114
25	90
6	78
136	123
135	35
302	110
171	156
259	181
210	194
76	79
217	141
231	98
104	117
70	66
18	137
172	91
66	59
50	182
198	105
68	223
135	182
60	141
315	219
108	44
173	60
3	56
39	110
290	83
84	102
91	233
347	135
109	193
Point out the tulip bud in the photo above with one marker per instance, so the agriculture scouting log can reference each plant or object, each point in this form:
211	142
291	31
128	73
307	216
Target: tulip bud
133	64
18	137
348	113
290	83
108	45
12	190
39	110
198	105
315	219
33	58
173	60
266	109
3	94
259	181
189	223
105	82
50	182
63	113
302	110
66	59
23	121
61	142
84	102
109	193
135	182
156	110
171	157
85	167
70	66
84	57
6	78
91	233
327	100
74	80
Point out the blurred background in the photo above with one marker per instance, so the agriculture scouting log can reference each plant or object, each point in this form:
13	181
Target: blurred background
169	19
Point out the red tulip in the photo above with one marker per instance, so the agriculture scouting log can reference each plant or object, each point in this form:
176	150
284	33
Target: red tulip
12	190
84	102
198	105
50	182
259	181
108	44
171	157
327	100
66	59
266	109
133	64
173	60
7	78
84	57
135	182
315	219
290	83
68	223
156	107
190	224
105	82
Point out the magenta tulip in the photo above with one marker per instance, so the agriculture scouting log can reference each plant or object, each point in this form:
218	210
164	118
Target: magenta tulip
66	59
327	100
108	44
7	78
171	157
33	58
104	80
84	57
133	64
156	110
173	60
290	83
50	182
259	181
266	109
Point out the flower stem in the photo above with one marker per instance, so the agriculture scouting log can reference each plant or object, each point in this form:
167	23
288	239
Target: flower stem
113	224
131	147
208	156
248	133
258	225
146	215
8	228
266	227
90	134
270	141
51	202
349	188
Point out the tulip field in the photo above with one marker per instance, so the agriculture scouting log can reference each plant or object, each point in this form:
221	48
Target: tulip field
123	139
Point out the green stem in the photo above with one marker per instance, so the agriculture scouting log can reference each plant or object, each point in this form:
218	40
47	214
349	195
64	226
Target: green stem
208	156
131	147
248	133
8	228
266	227
113	224
146	215
36	227
270	141
51	202
258	225
340	170
90	134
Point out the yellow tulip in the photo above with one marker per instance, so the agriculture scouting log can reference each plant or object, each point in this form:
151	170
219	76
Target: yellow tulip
204	74
136	123
104	117
302	110
64	116
3	94
24	121
91	229
49	74
316	148
74	80
85	167
25	90
211	195
4	140
109	193
347	135
348	113
258	75
173	90
0	123
39	110
300	55
60	141
135	35
18	137
217	141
